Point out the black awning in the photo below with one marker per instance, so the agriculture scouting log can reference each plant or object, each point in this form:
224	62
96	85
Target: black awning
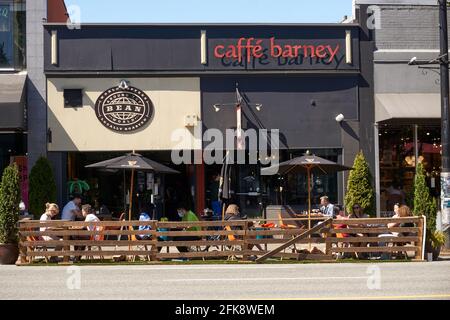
12	101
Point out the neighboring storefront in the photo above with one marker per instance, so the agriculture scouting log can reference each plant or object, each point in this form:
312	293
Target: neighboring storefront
112	89
407	98
13	138
21	58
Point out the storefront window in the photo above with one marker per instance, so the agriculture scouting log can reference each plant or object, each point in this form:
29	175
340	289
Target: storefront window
429	147
398	161
11	144
12	34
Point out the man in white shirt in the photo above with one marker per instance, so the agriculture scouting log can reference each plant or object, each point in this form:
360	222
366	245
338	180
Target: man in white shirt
326	208
72	209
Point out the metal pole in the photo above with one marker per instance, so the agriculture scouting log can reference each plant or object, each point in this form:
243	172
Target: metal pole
445	130
131	195
377	171
416	144
444	86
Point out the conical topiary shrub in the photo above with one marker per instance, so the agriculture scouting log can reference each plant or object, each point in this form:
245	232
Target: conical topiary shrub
424	203
9	205
359	186
42	187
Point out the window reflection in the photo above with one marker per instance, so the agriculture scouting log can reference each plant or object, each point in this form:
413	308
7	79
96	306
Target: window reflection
398	161
12	34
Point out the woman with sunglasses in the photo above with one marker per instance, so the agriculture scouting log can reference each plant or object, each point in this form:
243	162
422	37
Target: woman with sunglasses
357	212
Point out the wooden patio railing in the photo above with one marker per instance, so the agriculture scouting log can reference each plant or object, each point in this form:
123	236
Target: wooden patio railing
215	240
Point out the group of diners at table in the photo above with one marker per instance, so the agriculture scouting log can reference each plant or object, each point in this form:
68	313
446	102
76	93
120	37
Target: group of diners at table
75	211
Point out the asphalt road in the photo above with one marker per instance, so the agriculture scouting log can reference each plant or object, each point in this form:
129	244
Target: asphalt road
419	280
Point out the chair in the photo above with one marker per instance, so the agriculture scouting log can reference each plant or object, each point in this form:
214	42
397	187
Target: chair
284	226
35	248
97	237
233	248
341	236
139	247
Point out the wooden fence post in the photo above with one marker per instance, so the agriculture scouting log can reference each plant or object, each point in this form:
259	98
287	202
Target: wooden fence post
420	234
245	257
22	249
154	250
328	244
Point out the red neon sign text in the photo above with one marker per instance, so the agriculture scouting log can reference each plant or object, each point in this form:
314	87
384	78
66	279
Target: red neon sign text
252	48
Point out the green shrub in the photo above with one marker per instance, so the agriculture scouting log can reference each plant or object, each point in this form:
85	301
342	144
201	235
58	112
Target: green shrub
424	203
359	186
9	204
42	187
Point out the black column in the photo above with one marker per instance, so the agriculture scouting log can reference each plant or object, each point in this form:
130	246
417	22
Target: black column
444	86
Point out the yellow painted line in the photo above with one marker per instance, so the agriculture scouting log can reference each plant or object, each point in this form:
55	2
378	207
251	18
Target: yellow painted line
429	296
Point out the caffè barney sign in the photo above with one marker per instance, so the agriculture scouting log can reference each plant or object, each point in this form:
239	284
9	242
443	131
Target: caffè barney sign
124	108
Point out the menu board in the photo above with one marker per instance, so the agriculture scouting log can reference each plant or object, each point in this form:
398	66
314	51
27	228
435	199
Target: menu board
5	23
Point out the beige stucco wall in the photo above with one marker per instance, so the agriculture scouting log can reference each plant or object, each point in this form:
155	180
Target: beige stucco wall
80	130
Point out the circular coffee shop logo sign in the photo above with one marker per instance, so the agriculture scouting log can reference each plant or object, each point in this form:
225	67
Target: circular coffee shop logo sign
124	109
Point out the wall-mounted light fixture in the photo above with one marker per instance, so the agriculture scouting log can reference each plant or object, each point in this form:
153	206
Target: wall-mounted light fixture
49	135
340	118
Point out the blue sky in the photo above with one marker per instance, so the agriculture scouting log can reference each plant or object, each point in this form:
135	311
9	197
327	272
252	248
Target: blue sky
190	11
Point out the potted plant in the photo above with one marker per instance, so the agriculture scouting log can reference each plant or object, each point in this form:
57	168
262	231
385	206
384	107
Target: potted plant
434	242
9	215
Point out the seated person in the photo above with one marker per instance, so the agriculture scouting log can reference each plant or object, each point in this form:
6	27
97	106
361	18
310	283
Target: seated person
233	213
51	210
145	210
358	212
89	216
187	216
401	212
86	213
71	210
327	209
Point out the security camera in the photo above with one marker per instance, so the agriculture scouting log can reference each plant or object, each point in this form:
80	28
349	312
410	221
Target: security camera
216	108
340	118
412	61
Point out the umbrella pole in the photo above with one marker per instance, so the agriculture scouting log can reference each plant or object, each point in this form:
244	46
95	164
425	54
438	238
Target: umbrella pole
309	203
131	194
223	211
124	192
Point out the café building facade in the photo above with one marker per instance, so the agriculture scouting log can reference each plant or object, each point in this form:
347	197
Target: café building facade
116	88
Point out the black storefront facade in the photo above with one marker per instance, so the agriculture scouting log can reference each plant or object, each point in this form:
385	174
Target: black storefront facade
300	77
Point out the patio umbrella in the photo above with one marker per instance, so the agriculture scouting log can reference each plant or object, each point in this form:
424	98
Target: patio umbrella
225	182
132	161
309	164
